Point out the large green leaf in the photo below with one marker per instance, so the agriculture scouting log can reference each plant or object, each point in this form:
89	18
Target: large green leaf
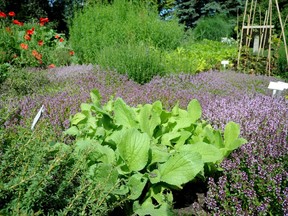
181	168
134	149
149	118
159	154
236	144
95	97
104	174
184	135
167	137
231	134
94	151
77	118
208	152
124	115
148	208
136	185
194	110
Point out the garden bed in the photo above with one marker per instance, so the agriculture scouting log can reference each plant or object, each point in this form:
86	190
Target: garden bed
253	179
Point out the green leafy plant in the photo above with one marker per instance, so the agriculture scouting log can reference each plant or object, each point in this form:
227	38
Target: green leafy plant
199	56
152	150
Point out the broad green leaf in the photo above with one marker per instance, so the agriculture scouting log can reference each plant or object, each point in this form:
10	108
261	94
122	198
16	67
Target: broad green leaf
159	154
236	144
136	185
123	190
175	109
95	97
104	174
194	110
231	133
73	131
134	149
77	118
183	122
94	151
218	140
148	208
114	138
148	119
124	115
161	194
91	122
154	176
184	135
167	137
85	106
208	152
181	168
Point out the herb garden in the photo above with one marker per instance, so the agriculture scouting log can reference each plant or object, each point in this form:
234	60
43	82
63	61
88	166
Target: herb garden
138	116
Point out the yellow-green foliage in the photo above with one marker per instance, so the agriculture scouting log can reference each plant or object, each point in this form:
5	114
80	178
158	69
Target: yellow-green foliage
200	56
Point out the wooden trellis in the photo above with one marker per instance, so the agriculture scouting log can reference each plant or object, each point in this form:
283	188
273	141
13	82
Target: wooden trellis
263	37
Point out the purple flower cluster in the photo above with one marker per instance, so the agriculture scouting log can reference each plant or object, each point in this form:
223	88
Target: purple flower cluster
254	180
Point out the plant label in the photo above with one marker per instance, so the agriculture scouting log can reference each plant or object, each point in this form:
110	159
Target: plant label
37	117
277	87
224	63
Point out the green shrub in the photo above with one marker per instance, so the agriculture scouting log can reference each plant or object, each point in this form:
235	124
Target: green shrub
39	176
123	31
139	62
213	28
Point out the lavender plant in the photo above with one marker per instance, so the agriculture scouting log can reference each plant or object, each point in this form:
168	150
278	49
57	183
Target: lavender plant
224	96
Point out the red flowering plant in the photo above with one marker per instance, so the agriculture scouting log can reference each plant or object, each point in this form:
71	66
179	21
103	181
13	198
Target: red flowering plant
33	44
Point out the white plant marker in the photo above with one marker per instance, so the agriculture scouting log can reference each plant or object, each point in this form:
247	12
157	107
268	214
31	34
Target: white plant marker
37	117
277	87
224	63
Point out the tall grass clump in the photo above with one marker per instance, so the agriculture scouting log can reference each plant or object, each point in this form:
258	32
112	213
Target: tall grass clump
213	28
129	34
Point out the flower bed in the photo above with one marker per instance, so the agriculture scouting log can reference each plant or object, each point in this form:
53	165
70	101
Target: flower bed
254	178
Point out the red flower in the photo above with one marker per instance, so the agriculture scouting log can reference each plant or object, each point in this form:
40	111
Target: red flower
37	55
40	42
16	22
71	52
24	46
11	13
57	36
27	37
43	21
51	66
2	14
61	39
30	31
